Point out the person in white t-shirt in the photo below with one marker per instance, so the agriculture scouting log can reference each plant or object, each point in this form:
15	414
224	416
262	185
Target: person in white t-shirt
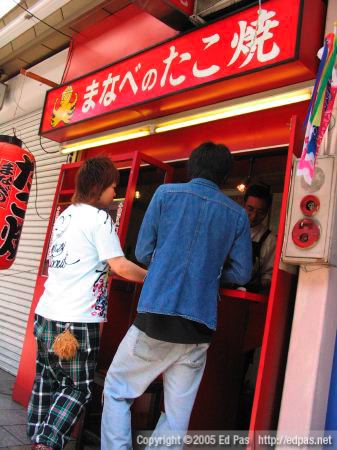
83	248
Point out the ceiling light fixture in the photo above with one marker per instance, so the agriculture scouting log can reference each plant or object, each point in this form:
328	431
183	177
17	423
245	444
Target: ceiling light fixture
242	187
237	109
108	139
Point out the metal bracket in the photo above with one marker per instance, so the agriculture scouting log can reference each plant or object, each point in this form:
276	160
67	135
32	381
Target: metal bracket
36	77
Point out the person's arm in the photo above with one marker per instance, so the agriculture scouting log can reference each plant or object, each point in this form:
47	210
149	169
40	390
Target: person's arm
147	237
108	247
127	269
238	267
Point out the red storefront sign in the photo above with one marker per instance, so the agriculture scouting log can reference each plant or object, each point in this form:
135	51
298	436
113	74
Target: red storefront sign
186	6
237	45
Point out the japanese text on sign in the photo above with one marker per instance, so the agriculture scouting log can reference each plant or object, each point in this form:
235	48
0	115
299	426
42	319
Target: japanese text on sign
243	42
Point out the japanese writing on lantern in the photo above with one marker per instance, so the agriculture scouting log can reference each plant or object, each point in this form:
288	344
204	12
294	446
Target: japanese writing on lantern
252	41
21	181
6	180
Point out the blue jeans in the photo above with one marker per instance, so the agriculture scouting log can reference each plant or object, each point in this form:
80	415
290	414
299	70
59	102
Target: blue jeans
139	361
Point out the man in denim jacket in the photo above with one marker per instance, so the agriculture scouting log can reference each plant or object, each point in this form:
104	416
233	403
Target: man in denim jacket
192	235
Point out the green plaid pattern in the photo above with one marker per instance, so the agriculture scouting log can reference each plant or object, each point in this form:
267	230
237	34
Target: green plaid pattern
61	388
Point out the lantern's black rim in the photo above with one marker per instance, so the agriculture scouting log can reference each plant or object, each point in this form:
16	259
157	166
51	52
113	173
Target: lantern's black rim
11	140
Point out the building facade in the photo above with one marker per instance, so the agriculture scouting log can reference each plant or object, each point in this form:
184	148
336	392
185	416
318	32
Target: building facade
154	86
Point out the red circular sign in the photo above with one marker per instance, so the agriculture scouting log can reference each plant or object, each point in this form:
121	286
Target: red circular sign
310	205
305	233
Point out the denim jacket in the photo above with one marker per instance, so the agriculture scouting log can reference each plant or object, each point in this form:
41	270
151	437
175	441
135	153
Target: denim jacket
191	232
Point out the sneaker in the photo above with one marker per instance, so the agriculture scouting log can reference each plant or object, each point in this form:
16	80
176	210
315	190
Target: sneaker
40	447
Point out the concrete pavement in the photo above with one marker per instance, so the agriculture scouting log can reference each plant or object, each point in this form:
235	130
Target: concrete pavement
12	417
13	420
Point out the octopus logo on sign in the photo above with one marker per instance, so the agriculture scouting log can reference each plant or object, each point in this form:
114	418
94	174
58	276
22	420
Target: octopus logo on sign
63	109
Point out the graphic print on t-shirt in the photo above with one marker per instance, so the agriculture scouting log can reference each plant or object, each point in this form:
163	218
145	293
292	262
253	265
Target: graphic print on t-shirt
100	291
61	225
57	257
83	241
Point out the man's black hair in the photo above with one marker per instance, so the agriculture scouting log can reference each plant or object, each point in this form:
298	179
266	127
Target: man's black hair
256	190
211	161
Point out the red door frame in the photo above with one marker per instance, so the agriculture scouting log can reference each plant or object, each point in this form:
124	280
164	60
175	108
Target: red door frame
273	351
131	188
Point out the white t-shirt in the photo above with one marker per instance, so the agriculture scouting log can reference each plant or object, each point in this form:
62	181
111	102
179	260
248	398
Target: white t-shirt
267	253
83	239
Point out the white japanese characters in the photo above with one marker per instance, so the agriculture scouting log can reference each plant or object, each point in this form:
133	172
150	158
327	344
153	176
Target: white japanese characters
254	42
250	42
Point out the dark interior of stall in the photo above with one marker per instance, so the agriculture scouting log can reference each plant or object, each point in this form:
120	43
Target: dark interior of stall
227	388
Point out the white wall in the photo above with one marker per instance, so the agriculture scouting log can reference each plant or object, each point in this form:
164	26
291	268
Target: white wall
331	16
22	111
25	95
310	356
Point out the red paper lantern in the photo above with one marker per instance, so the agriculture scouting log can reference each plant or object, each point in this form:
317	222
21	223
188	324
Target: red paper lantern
16	174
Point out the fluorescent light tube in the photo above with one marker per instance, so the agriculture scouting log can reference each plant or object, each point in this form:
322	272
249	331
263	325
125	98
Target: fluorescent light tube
109	139
236	110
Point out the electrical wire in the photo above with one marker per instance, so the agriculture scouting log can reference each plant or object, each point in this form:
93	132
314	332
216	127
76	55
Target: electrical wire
48	153
16	108
36	194
20	95
42	147
67	64
40	20
36	188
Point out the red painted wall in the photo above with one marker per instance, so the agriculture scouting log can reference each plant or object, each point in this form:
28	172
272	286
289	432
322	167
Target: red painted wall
128	31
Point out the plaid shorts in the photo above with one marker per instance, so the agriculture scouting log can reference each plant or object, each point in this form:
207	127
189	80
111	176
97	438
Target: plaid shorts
61	387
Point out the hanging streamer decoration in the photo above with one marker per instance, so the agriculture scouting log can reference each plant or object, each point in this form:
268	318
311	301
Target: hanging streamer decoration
320	109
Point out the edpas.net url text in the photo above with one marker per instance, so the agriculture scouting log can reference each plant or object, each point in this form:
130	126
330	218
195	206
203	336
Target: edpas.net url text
293	441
